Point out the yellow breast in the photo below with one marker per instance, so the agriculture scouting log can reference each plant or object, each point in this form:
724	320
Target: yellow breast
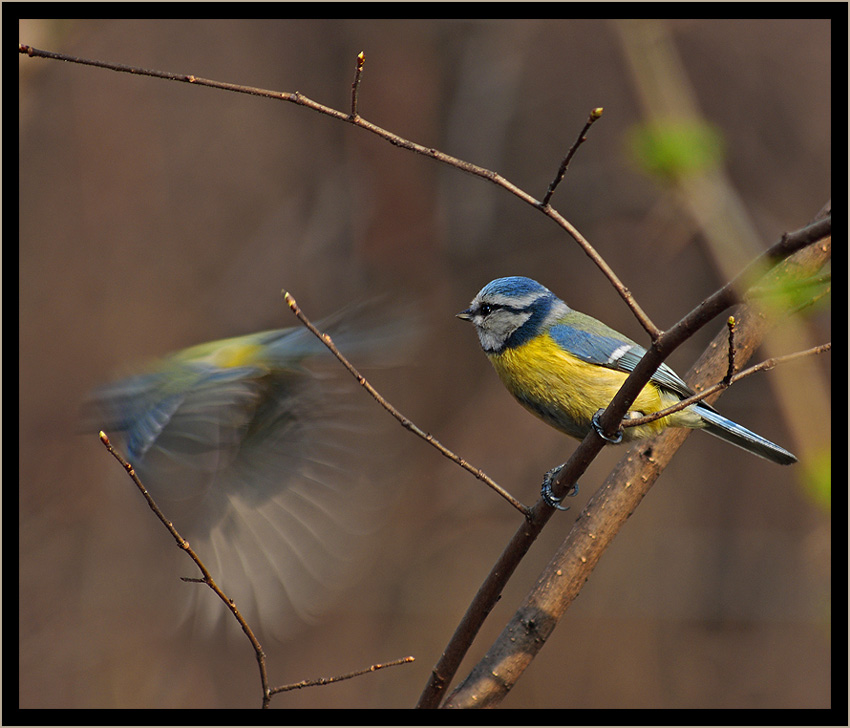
565	391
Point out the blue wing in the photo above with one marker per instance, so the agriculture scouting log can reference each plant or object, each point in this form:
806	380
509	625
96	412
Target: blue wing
595	343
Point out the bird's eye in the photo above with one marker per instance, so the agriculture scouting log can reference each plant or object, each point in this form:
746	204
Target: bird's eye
484	309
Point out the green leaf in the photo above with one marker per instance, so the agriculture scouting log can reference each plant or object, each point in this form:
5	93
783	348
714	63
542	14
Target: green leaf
673	149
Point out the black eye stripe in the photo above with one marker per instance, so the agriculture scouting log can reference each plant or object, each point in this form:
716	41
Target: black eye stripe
485	309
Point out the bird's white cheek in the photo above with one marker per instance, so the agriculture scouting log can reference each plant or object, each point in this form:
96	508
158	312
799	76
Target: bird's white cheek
489	340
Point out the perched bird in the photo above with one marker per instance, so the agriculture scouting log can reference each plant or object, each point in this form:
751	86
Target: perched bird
258	460
565	367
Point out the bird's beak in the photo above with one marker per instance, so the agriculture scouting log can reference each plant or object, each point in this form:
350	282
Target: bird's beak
465	315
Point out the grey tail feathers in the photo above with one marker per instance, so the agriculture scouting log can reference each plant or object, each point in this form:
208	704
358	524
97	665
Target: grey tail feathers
733	433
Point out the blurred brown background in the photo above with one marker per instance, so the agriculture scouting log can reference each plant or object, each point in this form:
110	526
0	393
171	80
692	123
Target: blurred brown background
156	215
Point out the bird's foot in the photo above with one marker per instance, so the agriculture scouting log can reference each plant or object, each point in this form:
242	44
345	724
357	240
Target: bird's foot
546	490
594	421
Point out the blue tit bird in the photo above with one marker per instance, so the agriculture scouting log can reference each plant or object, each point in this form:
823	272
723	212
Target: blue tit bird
565	367
258	460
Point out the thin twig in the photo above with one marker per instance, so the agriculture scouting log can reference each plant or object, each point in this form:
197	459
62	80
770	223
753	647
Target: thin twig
355	87
723	385
730	369
339	678
562	170
207	577
642	317
404	421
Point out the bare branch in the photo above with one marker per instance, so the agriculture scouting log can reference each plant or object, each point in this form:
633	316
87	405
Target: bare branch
395	140
207	577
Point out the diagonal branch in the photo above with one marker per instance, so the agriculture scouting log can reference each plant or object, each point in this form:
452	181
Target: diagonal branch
404	421
610	507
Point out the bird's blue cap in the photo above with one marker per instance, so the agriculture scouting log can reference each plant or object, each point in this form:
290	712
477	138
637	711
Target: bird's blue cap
513	286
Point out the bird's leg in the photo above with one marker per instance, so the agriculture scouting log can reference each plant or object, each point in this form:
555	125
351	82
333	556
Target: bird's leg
546	489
